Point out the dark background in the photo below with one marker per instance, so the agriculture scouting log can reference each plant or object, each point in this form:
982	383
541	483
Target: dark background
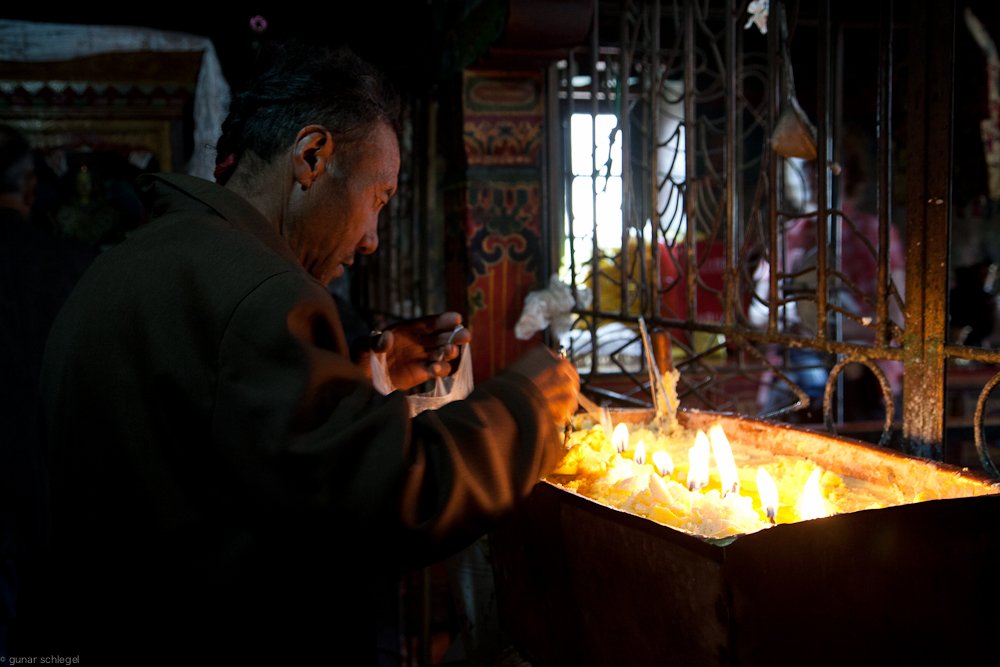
404	38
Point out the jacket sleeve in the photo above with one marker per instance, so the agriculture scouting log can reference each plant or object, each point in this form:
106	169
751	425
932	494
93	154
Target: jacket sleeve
312	447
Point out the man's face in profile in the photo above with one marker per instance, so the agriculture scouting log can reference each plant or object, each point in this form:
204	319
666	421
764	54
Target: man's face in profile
342	219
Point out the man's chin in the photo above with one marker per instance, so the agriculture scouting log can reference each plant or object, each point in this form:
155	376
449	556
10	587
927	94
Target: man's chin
329	274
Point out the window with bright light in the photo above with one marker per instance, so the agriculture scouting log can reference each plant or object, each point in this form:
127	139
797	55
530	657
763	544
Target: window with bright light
596	205
607	202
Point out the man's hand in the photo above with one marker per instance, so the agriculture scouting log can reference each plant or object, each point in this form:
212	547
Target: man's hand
417	350
556	378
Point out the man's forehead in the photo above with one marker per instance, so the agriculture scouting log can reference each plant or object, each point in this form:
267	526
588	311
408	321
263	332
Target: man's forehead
389	147
389	173
381	150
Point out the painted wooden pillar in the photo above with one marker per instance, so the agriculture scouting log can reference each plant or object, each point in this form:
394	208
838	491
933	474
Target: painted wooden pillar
499	210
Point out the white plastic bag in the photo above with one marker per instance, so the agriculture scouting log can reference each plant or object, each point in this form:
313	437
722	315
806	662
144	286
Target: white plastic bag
552	305
452	388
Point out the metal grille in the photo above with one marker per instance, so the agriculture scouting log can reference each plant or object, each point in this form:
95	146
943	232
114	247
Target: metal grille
710	215
405	278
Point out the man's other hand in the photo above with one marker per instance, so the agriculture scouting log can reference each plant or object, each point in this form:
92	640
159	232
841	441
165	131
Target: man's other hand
556	378
418	350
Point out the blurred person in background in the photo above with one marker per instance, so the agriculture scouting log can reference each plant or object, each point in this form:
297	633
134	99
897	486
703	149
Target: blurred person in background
863	397
37	274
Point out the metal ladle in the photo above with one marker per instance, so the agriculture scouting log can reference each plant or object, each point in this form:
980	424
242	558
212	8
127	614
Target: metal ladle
794	134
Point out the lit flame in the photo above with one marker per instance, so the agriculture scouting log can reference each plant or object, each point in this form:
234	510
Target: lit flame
768	494
698	457
811	504
619	440
724	459
664	464
640	454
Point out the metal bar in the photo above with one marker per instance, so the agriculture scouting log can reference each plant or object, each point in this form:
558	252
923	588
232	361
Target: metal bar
737	333
568	176
595	271
690	164
607	393
984	455
835	201
822	157
913	340
731	279
550	184
801	399
742	219
884	170
979	354
654	163
695	389
641	199
939	169
774	102
890	408
625	122
929	120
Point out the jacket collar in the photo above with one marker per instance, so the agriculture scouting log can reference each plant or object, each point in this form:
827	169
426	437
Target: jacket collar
237	211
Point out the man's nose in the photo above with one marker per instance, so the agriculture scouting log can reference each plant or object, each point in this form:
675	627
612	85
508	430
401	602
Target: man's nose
369	242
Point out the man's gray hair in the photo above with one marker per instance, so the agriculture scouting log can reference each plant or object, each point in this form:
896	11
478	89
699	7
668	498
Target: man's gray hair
298	84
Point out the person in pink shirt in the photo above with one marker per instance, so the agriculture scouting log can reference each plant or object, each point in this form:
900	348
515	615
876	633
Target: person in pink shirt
859	237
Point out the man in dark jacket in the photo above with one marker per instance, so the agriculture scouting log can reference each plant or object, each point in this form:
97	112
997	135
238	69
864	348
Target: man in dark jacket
226	481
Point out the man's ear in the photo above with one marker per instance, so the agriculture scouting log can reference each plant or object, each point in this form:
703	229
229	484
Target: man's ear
311	154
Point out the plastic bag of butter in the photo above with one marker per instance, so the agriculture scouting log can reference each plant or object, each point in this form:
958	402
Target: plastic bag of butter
452	388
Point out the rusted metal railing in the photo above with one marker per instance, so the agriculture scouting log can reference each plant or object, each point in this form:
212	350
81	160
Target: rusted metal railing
694	58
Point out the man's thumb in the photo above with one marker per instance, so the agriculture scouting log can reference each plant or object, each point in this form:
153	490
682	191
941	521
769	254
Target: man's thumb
383	342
